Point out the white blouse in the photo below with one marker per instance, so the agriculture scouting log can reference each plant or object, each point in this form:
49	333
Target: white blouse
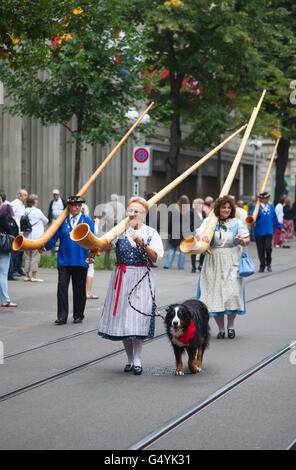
37	220
242	229
144	232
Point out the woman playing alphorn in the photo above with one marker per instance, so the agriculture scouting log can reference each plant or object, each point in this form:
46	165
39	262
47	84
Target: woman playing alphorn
220	287
129	309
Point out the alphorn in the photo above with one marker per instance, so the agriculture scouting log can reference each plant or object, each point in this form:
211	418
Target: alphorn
191	244
22	243
85	238
252	218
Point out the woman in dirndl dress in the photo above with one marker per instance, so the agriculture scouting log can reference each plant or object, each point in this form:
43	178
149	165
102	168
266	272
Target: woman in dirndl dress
219	286
129	310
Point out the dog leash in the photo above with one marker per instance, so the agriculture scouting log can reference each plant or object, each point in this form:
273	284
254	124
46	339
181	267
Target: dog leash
154	306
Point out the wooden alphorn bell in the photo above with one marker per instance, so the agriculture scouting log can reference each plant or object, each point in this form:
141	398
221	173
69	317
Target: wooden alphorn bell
251	219
22	243
191	244
85	238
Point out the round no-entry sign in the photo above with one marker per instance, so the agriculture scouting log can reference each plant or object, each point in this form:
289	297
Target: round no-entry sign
141	155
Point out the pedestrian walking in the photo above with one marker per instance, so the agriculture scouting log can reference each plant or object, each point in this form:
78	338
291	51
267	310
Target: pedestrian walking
263	231
207	206
279	210
4	259
243	214
71	263
179	217
37	221
56	206
91	272
129	309
288	233
219	286
251	207
19	208
197	216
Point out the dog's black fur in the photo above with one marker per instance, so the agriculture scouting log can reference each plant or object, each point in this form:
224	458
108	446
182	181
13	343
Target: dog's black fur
177	323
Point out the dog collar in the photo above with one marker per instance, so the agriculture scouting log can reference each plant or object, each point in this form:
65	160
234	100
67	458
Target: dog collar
188	334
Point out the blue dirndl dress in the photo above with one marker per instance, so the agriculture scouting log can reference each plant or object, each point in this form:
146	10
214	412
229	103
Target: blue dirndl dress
119	320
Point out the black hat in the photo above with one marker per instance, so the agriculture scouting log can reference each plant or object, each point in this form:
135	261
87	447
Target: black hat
264	195
75	199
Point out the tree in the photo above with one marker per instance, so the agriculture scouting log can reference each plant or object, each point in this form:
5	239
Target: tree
88	72
200	59
207	65
275	40
280	74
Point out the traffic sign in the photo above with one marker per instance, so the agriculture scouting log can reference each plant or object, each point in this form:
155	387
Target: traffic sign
142	161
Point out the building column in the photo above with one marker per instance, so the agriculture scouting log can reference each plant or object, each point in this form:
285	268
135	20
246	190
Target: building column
241	181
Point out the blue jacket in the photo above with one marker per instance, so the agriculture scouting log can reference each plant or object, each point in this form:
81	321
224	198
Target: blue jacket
70	253
265	221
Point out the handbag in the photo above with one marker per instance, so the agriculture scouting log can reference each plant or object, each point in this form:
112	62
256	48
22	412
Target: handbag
6	241
246	266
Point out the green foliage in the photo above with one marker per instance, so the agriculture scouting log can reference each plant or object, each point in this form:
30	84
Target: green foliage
87	70
50	261
206	50
220	56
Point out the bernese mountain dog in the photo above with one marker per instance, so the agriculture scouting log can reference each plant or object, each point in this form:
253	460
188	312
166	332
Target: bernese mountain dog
187	327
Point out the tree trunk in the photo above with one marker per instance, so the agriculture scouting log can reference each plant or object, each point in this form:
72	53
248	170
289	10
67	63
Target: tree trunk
171	162
281	164
77	165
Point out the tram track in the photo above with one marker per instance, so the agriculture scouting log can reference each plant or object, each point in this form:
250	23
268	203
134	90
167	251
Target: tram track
91	330
160	432
71	370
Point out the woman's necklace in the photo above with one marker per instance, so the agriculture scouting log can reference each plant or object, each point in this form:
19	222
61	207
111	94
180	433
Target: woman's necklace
222	225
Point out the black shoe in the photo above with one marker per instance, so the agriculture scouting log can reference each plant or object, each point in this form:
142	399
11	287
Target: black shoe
128	368
11	278
193	270
221	335
138	370
165	267
77	320
21	273
60	322
269	269
231	333
261	270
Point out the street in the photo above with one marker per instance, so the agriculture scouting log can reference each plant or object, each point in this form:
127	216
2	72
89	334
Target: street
98	406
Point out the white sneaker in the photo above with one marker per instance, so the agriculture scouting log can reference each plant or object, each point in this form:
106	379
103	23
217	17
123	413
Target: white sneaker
27	278
33	279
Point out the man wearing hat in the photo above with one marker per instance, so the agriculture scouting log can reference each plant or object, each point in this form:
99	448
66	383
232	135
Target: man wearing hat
264	229
56	206
71	263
